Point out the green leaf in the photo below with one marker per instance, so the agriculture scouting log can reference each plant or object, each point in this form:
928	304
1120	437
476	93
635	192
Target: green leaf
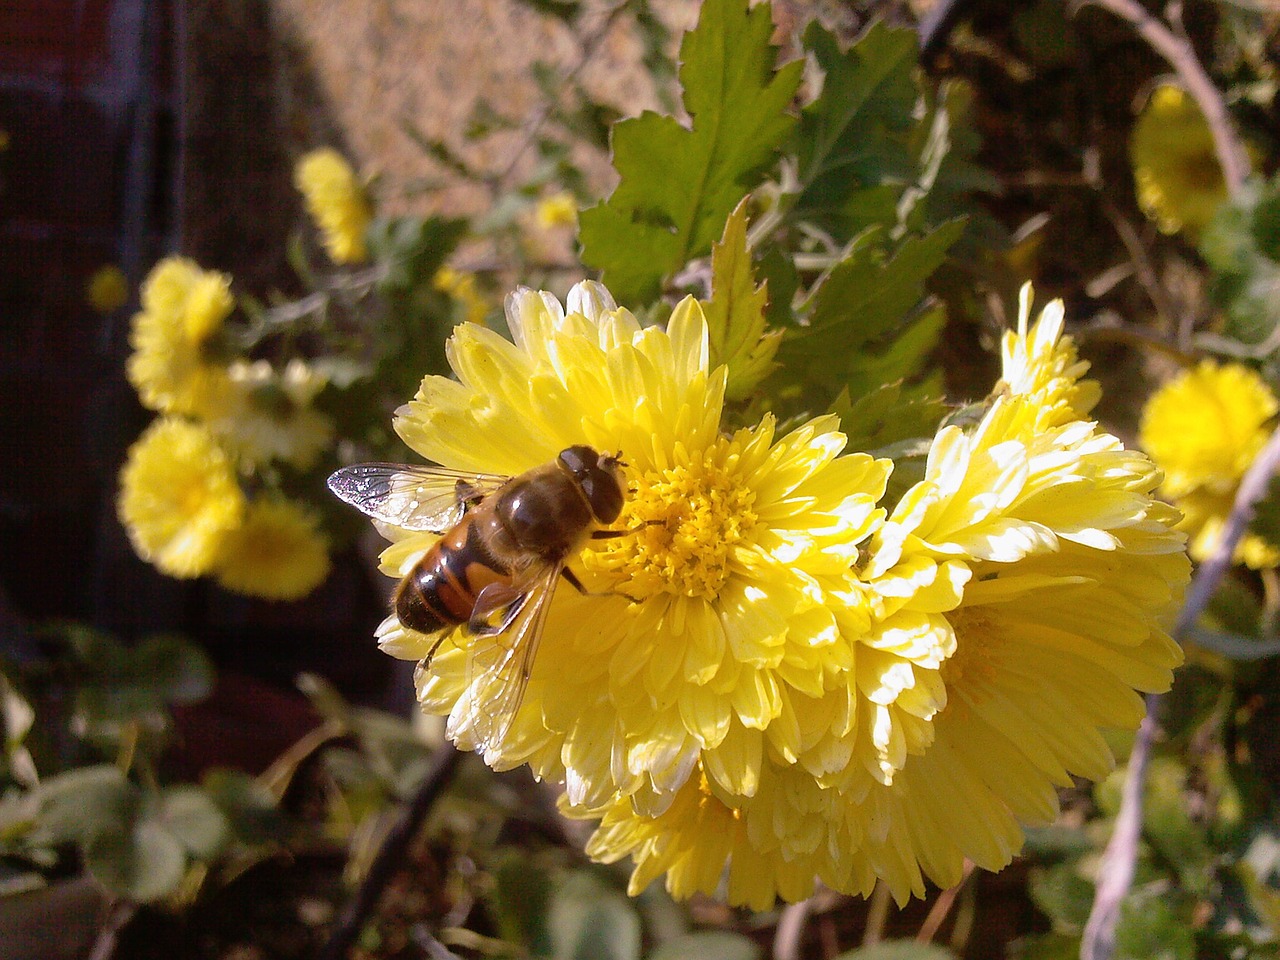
1169	827
1245	279
194	820
178	670
899	950
143	862
887	415
589	921
519	900
80	804
678	185
708	945
866	328
736	312
1235	646
842	140
251	811
1063	894
1152	928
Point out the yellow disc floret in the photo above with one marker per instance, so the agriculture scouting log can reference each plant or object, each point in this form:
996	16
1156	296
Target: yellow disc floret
686	520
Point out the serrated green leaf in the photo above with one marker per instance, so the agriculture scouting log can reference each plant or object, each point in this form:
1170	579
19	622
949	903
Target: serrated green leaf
886	415
866	295
842	140
194	820
865	327
708	945
589	921
899	950
678	185
736	312
143	862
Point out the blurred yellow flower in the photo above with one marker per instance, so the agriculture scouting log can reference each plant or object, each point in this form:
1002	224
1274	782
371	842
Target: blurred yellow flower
183	308
178	497
336	202
107	290
266	414
1203	429
277	553
557	210
461	286
1175	167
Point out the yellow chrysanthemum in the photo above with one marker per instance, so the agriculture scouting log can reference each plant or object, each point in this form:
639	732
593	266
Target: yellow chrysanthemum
1175	167
1204	427
1074	565
336	202
557	210
107	290
183	307
267	414
178	497
712	622
461	286
277	553
1021	586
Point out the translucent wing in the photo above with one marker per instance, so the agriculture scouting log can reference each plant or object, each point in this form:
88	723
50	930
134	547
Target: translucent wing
410	496
498	665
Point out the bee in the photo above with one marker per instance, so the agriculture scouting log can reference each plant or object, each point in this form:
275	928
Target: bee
504	545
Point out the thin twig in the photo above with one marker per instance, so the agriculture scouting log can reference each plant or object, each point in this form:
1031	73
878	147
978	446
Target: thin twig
104	947
877	915
786	939
1115	874
1181	56
1253	487
536	122
390	855
1119	860
942	906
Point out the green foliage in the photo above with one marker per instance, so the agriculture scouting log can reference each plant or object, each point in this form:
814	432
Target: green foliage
1240	248
865	327
736	313
678	185
588	920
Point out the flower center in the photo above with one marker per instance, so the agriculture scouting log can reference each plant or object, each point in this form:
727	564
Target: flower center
685	521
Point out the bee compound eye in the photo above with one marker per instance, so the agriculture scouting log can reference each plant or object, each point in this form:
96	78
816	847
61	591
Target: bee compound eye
578	459
604	493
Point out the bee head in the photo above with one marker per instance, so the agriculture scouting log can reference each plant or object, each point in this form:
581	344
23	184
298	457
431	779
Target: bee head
600	477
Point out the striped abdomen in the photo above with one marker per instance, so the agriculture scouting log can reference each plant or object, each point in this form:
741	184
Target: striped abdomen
441	590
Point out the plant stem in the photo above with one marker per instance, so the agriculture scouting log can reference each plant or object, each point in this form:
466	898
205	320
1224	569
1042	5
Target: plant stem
1177	50
390	855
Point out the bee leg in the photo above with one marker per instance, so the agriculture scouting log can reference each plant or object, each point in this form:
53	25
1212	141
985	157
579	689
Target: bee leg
426	661
495	608
573	580
467	493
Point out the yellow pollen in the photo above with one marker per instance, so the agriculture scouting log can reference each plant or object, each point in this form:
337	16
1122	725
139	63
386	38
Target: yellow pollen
686	521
